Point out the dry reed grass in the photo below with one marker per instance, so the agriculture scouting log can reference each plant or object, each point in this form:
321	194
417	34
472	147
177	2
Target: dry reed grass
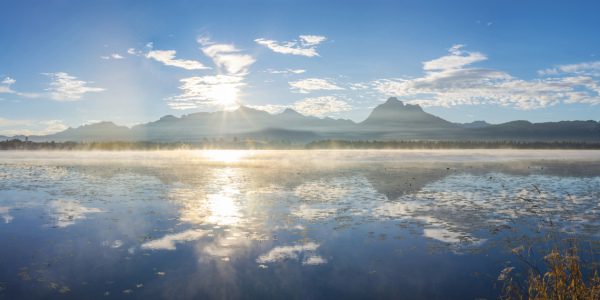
553	265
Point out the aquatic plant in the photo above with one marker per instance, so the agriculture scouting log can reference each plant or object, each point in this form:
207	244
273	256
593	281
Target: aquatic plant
550	263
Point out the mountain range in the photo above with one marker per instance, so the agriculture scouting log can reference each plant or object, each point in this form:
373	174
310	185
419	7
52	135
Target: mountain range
392	120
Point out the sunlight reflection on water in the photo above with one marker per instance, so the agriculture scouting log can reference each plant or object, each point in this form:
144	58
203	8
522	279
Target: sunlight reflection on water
372	225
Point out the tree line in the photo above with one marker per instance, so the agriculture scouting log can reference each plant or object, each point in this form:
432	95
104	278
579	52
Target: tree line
235	144
16	144
432	145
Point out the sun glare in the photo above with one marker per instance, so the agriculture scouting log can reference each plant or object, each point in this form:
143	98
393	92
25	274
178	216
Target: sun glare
224	94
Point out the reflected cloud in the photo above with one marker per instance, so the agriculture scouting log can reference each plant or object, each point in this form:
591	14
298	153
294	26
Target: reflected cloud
66	212
309	212
5	216
282	253
168	241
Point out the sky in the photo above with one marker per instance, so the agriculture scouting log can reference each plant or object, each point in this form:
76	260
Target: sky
70	63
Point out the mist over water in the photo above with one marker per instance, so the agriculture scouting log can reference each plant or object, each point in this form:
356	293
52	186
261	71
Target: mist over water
232	156
276	224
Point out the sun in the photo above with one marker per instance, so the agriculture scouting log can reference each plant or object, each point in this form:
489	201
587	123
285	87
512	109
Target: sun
224	95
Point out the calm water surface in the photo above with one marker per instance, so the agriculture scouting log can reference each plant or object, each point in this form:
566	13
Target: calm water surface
277	224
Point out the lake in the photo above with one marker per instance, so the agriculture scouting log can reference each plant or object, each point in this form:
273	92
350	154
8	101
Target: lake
280	224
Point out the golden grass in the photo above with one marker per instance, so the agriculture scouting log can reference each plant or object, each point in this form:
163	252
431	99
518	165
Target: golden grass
551	267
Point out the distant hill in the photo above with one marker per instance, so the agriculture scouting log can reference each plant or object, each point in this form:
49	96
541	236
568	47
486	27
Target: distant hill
474	124
392	120
580	131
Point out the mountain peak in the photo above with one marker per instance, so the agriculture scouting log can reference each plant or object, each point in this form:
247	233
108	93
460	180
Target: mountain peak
168	118
394	111
290	112
394	101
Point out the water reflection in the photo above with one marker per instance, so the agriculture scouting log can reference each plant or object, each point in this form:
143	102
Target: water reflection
238	227
5	215
67	212
282	253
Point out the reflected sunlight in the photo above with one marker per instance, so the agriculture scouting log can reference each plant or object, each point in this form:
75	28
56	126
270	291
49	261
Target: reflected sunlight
223	210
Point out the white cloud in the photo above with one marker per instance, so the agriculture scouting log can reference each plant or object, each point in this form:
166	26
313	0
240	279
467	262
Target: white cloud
305	86
5	87
311	40
116	56
224	56
167	57
29	95
588	68
454	85
89	122
66	88
456	59
8	81
303	47
282	253
131	51
285	72
358	86
207	91
322	106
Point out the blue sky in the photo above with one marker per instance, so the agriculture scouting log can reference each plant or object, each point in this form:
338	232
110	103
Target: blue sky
67	63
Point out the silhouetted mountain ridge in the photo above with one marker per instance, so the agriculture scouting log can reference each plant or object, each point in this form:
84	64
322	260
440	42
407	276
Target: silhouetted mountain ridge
392	120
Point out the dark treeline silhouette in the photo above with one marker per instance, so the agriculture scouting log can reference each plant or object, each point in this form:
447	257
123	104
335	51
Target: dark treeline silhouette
344	144
236	144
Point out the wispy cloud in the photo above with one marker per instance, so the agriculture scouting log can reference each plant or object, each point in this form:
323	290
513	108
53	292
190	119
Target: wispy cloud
286	72
305	46
305	86
456	59
113	56
317	106
167	57
322	106
587	68
44	127
226	56
66	88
